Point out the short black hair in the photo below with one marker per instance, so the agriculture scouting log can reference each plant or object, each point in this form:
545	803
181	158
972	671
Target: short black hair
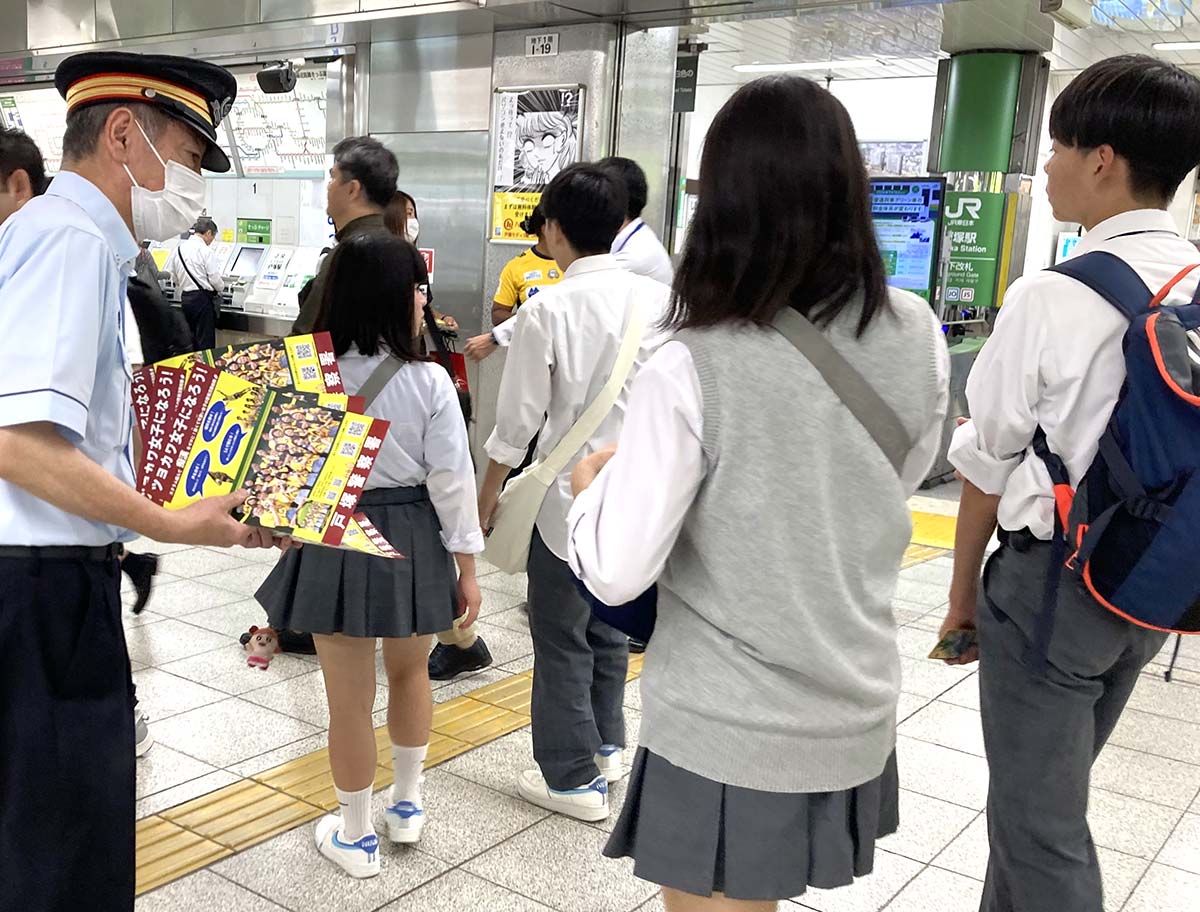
588	203
84	125
204	225
372	164
794	229
20	153
535	221
634	177
1148	110
369	297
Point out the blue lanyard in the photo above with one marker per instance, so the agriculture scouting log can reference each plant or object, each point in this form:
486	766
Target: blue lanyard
630	238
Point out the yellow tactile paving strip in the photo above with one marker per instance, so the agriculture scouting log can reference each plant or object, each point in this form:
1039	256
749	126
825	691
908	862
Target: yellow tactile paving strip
176	842
184	839
933	530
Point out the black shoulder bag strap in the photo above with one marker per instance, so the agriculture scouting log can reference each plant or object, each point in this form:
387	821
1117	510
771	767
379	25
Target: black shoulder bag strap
850	386
191	275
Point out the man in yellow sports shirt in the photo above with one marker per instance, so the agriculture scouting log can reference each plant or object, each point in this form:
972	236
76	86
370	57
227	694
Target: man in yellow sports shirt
522	278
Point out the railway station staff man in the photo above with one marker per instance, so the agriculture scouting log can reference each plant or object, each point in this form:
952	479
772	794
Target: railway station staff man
138	131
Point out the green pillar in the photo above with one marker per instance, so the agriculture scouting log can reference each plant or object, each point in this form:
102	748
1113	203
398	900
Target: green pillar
982	92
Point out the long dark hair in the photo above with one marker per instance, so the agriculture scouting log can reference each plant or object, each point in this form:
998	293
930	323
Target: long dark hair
784	214
395	214
368	300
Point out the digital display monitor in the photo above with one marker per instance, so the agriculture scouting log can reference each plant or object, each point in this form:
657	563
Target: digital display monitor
247	262
908	223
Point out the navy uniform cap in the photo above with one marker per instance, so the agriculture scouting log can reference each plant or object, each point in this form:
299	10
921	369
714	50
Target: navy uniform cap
193	92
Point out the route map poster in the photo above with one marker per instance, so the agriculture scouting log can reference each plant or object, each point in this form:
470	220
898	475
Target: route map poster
536	135
280	135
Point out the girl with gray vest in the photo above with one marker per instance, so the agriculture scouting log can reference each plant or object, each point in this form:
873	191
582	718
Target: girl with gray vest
761	479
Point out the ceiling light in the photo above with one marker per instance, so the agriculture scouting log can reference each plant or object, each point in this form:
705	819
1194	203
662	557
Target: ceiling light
1177	46
814	65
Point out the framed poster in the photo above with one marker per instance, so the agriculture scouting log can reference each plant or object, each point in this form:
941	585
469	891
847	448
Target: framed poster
535	134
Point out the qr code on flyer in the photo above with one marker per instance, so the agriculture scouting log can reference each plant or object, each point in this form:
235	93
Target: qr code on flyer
349	449
357	428
304	351
309	372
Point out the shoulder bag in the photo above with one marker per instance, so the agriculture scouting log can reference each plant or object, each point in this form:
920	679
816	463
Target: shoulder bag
521	501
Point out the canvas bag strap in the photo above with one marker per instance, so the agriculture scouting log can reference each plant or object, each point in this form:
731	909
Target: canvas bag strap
593	416
850	386
383	373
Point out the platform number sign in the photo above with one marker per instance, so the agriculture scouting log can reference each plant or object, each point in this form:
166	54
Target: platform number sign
545	45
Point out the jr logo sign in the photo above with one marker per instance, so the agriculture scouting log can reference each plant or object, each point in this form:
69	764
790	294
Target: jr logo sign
965	207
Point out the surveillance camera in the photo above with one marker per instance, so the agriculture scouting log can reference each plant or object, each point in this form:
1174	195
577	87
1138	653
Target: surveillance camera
277	78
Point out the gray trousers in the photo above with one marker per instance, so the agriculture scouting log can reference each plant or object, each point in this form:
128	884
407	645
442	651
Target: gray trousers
1042	732
578	675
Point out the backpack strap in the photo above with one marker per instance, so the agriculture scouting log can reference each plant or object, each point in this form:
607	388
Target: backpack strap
1111	278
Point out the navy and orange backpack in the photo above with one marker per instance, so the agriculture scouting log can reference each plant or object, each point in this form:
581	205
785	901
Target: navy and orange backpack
1132	529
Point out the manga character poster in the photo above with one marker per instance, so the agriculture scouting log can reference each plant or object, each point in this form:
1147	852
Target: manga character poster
536	133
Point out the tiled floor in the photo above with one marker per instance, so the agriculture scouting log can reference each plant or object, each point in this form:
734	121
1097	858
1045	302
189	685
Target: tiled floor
217	721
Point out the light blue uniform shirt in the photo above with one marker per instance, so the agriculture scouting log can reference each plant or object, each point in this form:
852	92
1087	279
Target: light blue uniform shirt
64	261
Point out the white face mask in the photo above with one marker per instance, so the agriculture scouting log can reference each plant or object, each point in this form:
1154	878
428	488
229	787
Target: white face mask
159	215
412	229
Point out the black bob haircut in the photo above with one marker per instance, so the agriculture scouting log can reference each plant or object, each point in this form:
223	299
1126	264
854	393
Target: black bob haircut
20	153
372	164
783	217
635	183
370	296
588	203
1146	109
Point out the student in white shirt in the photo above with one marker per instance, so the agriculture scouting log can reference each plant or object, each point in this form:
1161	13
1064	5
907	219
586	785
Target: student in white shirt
636	246
563	349
197	274
1126	132
421	496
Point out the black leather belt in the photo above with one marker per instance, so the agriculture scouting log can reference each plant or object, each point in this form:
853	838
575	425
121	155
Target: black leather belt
71	552
1021	541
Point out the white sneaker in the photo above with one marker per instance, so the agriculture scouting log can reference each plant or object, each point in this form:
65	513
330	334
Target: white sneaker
358	859
610	761
404	822
589	803
142	739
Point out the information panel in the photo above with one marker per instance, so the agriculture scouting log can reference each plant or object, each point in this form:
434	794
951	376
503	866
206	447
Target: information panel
280	135
908	224
42	114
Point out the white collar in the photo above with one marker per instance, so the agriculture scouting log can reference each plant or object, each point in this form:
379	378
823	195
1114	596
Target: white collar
587	264
1134	221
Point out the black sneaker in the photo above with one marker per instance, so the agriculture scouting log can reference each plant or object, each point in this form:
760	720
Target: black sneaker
447	662
289	641
637	647
141	570
294	641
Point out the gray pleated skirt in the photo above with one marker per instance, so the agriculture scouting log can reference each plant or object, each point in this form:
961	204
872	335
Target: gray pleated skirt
702	837
326	590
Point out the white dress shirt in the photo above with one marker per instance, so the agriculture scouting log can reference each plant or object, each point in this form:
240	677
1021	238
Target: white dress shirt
564	346
638	249
1055	359
133	338
201	259
623	528
426	443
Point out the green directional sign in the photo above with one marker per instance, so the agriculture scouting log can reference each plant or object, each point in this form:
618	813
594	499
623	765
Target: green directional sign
254	231
975	226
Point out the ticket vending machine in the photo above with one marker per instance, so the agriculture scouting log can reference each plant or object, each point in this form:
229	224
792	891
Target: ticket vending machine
270	279
303	266
242	270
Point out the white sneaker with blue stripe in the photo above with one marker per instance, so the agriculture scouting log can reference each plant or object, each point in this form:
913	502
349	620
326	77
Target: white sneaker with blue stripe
404	822
611	763
358	859
588	803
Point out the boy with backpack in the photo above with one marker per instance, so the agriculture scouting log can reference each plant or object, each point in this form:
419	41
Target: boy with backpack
1084	434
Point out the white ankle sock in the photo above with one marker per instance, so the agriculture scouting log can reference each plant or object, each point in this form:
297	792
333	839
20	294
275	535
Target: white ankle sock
356	813
407	764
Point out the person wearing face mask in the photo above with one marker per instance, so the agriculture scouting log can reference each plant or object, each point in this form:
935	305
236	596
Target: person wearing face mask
400	216
197	274
139	129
